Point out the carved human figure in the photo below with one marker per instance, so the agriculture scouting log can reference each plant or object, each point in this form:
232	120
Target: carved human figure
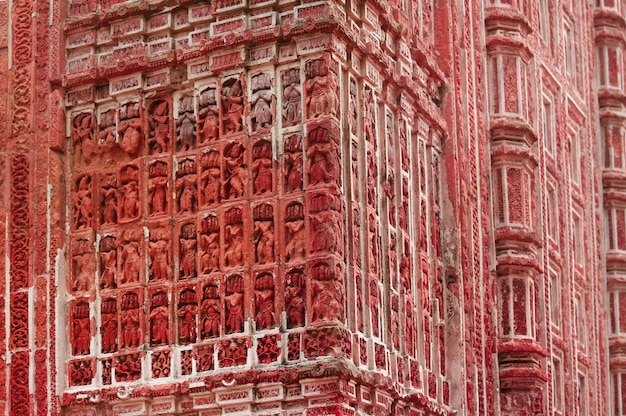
160	258
294	233
264	232
209	116
234	304
188	247
129	128
106	128
292	97
294	299
210	311
325	226
130	321
84	269
352	107
83	203
108	329
186	187
262	167
235	177
321	163
210	181
187	320
159	326
261	102
320	88
83	135
159	121
108	261
232	105
130	193
157	188
210	244
328	294
294	171
108	194
264	301
374	306
186	123
131	260
81	329
369	116
233	238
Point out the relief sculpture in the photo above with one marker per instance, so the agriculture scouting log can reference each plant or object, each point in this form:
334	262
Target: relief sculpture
261	102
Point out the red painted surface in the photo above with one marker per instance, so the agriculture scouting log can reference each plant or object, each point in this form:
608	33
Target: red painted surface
288	207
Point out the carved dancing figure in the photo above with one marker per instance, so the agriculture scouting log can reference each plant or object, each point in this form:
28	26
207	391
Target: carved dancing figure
160	125
109	211
210	259
186	187
235	172
294	174
83	271
83	204
233	106
130	197
82	135
187	319
109	333
321	166
82	339
295	301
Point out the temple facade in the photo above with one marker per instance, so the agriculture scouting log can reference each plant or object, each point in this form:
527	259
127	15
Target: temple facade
293	207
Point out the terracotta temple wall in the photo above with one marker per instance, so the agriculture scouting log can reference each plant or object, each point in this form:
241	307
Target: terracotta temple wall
404	207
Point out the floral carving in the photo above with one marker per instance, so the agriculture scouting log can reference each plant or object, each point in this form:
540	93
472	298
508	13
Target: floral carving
128	367
161	364
204	357
233	352
81	372
268	350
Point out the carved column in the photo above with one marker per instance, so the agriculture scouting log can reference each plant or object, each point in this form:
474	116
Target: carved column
515	190
610	45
